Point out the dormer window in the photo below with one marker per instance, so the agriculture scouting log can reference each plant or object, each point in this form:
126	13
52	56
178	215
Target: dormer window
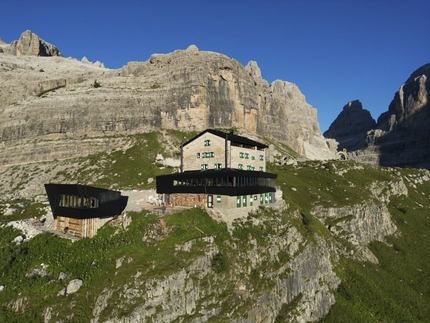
207	142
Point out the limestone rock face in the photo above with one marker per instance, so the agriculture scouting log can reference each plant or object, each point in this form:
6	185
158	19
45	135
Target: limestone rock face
401	136
29	44
404	139
351	126
410	107
187	90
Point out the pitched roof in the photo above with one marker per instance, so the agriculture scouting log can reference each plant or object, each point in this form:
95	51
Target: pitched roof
230	136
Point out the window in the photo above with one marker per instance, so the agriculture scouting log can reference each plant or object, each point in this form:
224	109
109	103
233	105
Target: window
246	156
204	167
94	202
261	157
198	155
241	155
218	198
207	142
217	166
261	168
240	166
209	154
77	201
253	158
249	167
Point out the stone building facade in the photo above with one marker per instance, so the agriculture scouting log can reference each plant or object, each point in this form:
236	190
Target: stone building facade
218	150
222	171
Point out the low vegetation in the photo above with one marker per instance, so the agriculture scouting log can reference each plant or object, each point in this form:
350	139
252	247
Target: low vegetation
397	289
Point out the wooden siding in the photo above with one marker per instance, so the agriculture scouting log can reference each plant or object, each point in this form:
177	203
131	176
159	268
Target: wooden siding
82	228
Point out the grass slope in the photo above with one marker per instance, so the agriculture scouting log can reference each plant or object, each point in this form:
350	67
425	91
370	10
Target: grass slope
395	290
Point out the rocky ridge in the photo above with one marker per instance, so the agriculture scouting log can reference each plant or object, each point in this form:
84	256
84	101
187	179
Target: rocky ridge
351	126
29	44
51	103
401	136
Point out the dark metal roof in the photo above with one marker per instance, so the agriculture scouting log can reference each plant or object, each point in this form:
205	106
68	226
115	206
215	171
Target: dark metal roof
82	190
219	173
109	201
230	136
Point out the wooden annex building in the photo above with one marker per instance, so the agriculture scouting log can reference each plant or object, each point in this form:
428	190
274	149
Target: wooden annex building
219	170
81	210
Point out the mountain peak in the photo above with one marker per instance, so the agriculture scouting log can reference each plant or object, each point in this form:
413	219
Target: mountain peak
29	44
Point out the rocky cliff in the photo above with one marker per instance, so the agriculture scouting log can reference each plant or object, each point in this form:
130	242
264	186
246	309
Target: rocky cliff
351	126
401	136
50	103
29	44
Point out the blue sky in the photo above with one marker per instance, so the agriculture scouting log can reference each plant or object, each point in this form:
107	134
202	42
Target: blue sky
335	51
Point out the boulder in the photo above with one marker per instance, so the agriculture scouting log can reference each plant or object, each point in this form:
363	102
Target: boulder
73	286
